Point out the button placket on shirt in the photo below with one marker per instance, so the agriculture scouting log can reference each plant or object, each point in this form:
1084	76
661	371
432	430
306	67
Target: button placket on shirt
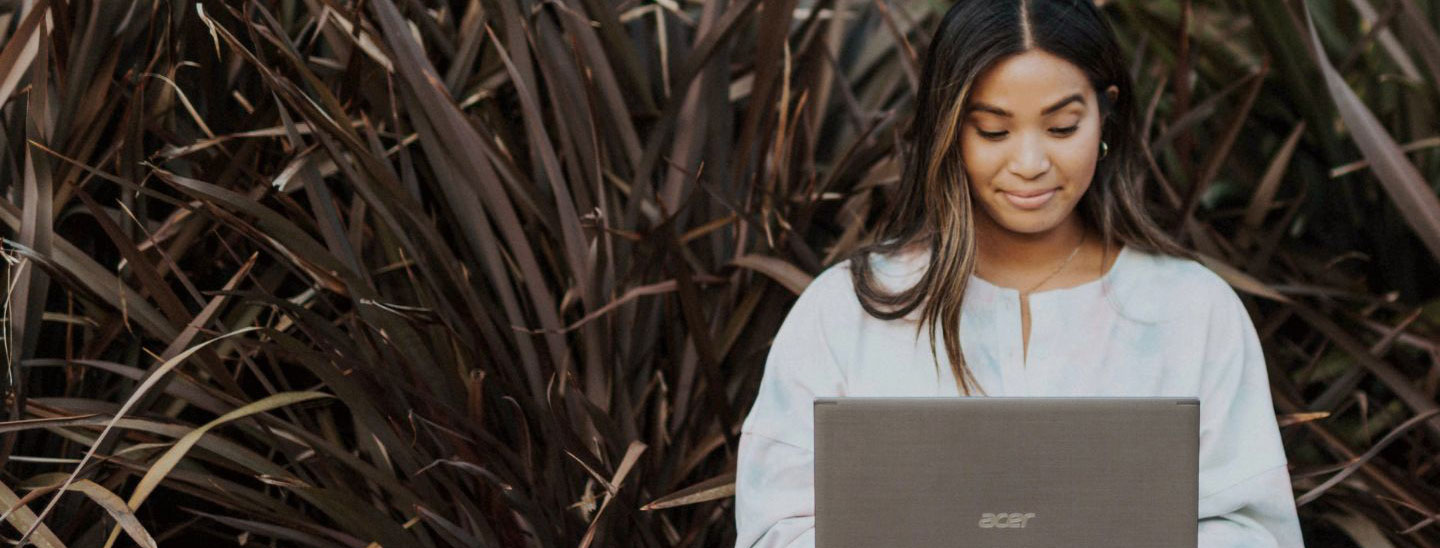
1045	333
1014	366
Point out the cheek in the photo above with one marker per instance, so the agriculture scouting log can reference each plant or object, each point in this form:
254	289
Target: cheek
981	159
1078	160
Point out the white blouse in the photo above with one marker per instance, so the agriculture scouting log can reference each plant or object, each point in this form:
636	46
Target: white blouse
1151	326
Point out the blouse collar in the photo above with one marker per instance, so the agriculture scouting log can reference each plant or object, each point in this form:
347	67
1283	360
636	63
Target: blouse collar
901	272
1107	279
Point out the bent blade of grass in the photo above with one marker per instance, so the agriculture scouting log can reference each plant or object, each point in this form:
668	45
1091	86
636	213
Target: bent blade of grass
787	274
715	488
140	391
42	484
23	519
115	506
261	467
171	458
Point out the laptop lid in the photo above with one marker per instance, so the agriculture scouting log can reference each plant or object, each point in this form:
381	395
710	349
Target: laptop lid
1006	472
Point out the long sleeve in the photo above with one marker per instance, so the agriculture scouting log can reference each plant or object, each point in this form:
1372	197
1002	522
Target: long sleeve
1246	500
775	484
774	494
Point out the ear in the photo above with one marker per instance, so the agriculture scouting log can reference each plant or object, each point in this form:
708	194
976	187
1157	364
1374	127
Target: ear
1112	93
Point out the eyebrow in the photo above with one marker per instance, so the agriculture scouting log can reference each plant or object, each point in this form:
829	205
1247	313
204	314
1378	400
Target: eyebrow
1002	112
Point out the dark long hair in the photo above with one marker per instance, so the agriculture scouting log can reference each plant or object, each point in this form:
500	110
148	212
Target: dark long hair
933	208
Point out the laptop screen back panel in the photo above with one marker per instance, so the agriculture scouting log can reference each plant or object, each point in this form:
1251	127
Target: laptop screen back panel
1006	472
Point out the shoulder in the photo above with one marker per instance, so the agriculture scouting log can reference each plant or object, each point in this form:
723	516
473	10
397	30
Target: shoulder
890	272
1167	288
832	299
830	289
1177	273
826	297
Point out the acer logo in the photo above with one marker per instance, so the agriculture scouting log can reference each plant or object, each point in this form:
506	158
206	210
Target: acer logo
1014	519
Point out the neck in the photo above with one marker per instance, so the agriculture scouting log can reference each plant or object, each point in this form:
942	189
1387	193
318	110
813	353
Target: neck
1003	250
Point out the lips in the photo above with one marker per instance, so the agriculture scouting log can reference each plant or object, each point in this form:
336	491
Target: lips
1029	193
1029	199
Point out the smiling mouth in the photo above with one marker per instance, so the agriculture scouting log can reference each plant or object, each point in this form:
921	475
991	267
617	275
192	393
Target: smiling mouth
1030	200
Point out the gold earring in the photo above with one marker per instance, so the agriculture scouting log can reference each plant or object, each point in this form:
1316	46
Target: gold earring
1104	149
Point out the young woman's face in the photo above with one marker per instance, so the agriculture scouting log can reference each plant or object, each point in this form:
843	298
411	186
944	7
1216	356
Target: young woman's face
1030	140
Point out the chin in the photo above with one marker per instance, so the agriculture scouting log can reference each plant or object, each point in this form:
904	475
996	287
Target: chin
1029	226
1027	222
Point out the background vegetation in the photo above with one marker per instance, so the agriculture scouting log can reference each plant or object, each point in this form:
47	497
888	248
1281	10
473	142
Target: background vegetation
422	273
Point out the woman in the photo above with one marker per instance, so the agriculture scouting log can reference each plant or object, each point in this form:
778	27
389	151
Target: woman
1020	237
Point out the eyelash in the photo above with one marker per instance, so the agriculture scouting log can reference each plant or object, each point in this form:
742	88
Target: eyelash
1063	131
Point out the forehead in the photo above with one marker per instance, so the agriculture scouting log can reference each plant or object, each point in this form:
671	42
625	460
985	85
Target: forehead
1027	82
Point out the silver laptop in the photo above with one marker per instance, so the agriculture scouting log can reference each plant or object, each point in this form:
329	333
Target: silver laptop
1006	472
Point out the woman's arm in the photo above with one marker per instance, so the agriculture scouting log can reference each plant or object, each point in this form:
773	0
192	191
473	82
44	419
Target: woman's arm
1246	499
774	494
774	484
1258	511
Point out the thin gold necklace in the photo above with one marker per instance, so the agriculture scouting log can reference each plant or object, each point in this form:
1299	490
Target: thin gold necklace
1061	267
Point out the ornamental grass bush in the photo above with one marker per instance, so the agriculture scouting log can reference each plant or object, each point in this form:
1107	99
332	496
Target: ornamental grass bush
428	273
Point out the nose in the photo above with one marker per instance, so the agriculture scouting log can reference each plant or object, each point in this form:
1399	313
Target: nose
1031	159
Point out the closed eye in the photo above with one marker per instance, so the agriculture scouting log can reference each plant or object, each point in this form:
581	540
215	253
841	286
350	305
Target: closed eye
997	135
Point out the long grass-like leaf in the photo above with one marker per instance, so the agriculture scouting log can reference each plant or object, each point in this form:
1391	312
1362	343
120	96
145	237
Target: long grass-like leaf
1270	182
24	519
20	49
787	274
632	455
1357	463
125	519
172	457
1407	189
140	390
714	488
